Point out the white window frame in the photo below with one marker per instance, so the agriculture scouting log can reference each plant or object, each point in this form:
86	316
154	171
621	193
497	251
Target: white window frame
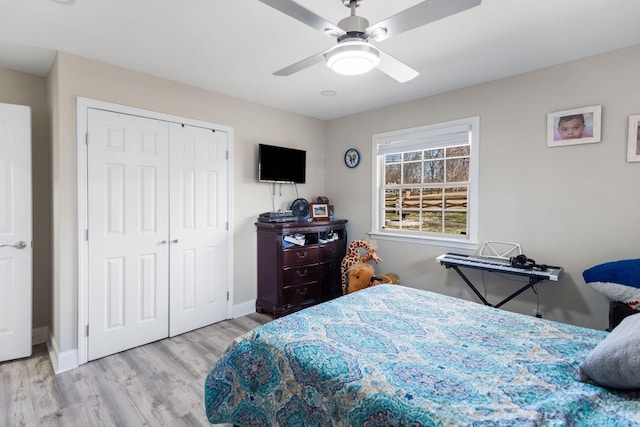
416	138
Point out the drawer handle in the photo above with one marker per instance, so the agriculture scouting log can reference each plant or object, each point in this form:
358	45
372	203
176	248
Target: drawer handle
301	255
332	250
302	292
302	273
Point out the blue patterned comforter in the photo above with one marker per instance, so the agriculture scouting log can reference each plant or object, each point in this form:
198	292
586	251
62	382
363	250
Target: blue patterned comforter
396	356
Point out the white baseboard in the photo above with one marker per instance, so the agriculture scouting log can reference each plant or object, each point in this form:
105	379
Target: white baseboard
39	335
243	309
68	360
64	361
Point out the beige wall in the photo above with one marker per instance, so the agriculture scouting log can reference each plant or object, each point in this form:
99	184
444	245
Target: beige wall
573	205
77	77
576	206
27	89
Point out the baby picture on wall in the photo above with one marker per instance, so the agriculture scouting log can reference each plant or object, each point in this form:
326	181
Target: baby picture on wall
574	126
577	126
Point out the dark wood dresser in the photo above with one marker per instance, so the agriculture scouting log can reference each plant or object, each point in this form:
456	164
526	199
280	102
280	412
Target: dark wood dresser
291	276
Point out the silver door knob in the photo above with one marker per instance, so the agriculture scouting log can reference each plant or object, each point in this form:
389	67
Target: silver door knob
174	241
162	242
19	245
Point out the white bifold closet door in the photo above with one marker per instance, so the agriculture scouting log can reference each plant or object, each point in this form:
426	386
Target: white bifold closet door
15	232
157	211
198	227
128	219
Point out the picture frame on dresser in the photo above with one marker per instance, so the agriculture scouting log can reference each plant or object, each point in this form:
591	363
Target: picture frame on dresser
319	211
633	144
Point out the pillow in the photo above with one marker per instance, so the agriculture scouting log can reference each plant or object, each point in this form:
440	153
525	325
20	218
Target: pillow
618	281
615	361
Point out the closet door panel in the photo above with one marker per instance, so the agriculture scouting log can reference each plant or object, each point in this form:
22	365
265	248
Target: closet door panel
128	283
199	235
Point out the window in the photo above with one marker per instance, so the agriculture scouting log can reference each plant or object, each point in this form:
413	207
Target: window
425	183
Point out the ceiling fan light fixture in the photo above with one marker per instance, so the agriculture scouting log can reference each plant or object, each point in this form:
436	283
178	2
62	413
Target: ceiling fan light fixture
352	58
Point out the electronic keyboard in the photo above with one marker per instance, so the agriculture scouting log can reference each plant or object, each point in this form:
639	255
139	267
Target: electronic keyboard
499	265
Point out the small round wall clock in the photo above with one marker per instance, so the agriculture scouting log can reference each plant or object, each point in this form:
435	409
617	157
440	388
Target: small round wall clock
352	158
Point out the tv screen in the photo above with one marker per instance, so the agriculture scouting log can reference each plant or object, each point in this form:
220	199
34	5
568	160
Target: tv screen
280	164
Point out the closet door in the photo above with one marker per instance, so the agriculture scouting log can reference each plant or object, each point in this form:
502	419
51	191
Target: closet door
128	217
15	232
199	235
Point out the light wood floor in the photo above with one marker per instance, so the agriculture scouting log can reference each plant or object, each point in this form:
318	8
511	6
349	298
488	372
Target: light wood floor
160	383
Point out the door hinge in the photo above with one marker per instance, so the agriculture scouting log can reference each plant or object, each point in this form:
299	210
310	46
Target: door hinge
86	138
226	225
227	295
86	332
86	234
226	155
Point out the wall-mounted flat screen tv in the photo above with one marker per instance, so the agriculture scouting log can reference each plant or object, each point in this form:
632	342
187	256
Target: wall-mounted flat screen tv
281	164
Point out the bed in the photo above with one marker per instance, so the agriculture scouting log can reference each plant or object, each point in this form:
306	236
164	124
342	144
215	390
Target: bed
396	356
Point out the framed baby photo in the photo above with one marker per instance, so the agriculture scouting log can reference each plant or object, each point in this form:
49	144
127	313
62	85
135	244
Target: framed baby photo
633	147
319	210
576	126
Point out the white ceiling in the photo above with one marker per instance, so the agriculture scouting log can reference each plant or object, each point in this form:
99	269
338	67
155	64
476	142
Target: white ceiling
233	46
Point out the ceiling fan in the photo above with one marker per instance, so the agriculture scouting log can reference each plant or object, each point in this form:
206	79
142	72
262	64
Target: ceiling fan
354	53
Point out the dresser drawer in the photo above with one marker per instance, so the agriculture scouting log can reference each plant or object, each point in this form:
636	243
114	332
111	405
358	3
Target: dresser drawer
298	294
330	269
299	275
300	256
333	250
331	288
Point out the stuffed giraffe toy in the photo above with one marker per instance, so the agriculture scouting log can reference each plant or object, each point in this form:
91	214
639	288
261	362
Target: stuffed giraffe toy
354	256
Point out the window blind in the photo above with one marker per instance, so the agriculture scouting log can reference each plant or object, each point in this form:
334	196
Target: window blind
424	140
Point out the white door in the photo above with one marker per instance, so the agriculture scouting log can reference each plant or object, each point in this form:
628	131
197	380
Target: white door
198	230
15	232
128	223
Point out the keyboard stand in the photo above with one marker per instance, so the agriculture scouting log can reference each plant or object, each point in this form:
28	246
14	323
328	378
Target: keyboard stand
535	275
532	281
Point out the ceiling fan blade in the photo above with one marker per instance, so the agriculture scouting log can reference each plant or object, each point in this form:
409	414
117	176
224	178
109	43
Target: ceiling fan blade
395	68
299	13
300	65
421	14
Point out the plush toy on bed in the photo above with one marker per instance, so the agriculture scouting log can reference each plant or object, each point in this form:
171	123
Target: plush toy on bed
362	275
363	270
